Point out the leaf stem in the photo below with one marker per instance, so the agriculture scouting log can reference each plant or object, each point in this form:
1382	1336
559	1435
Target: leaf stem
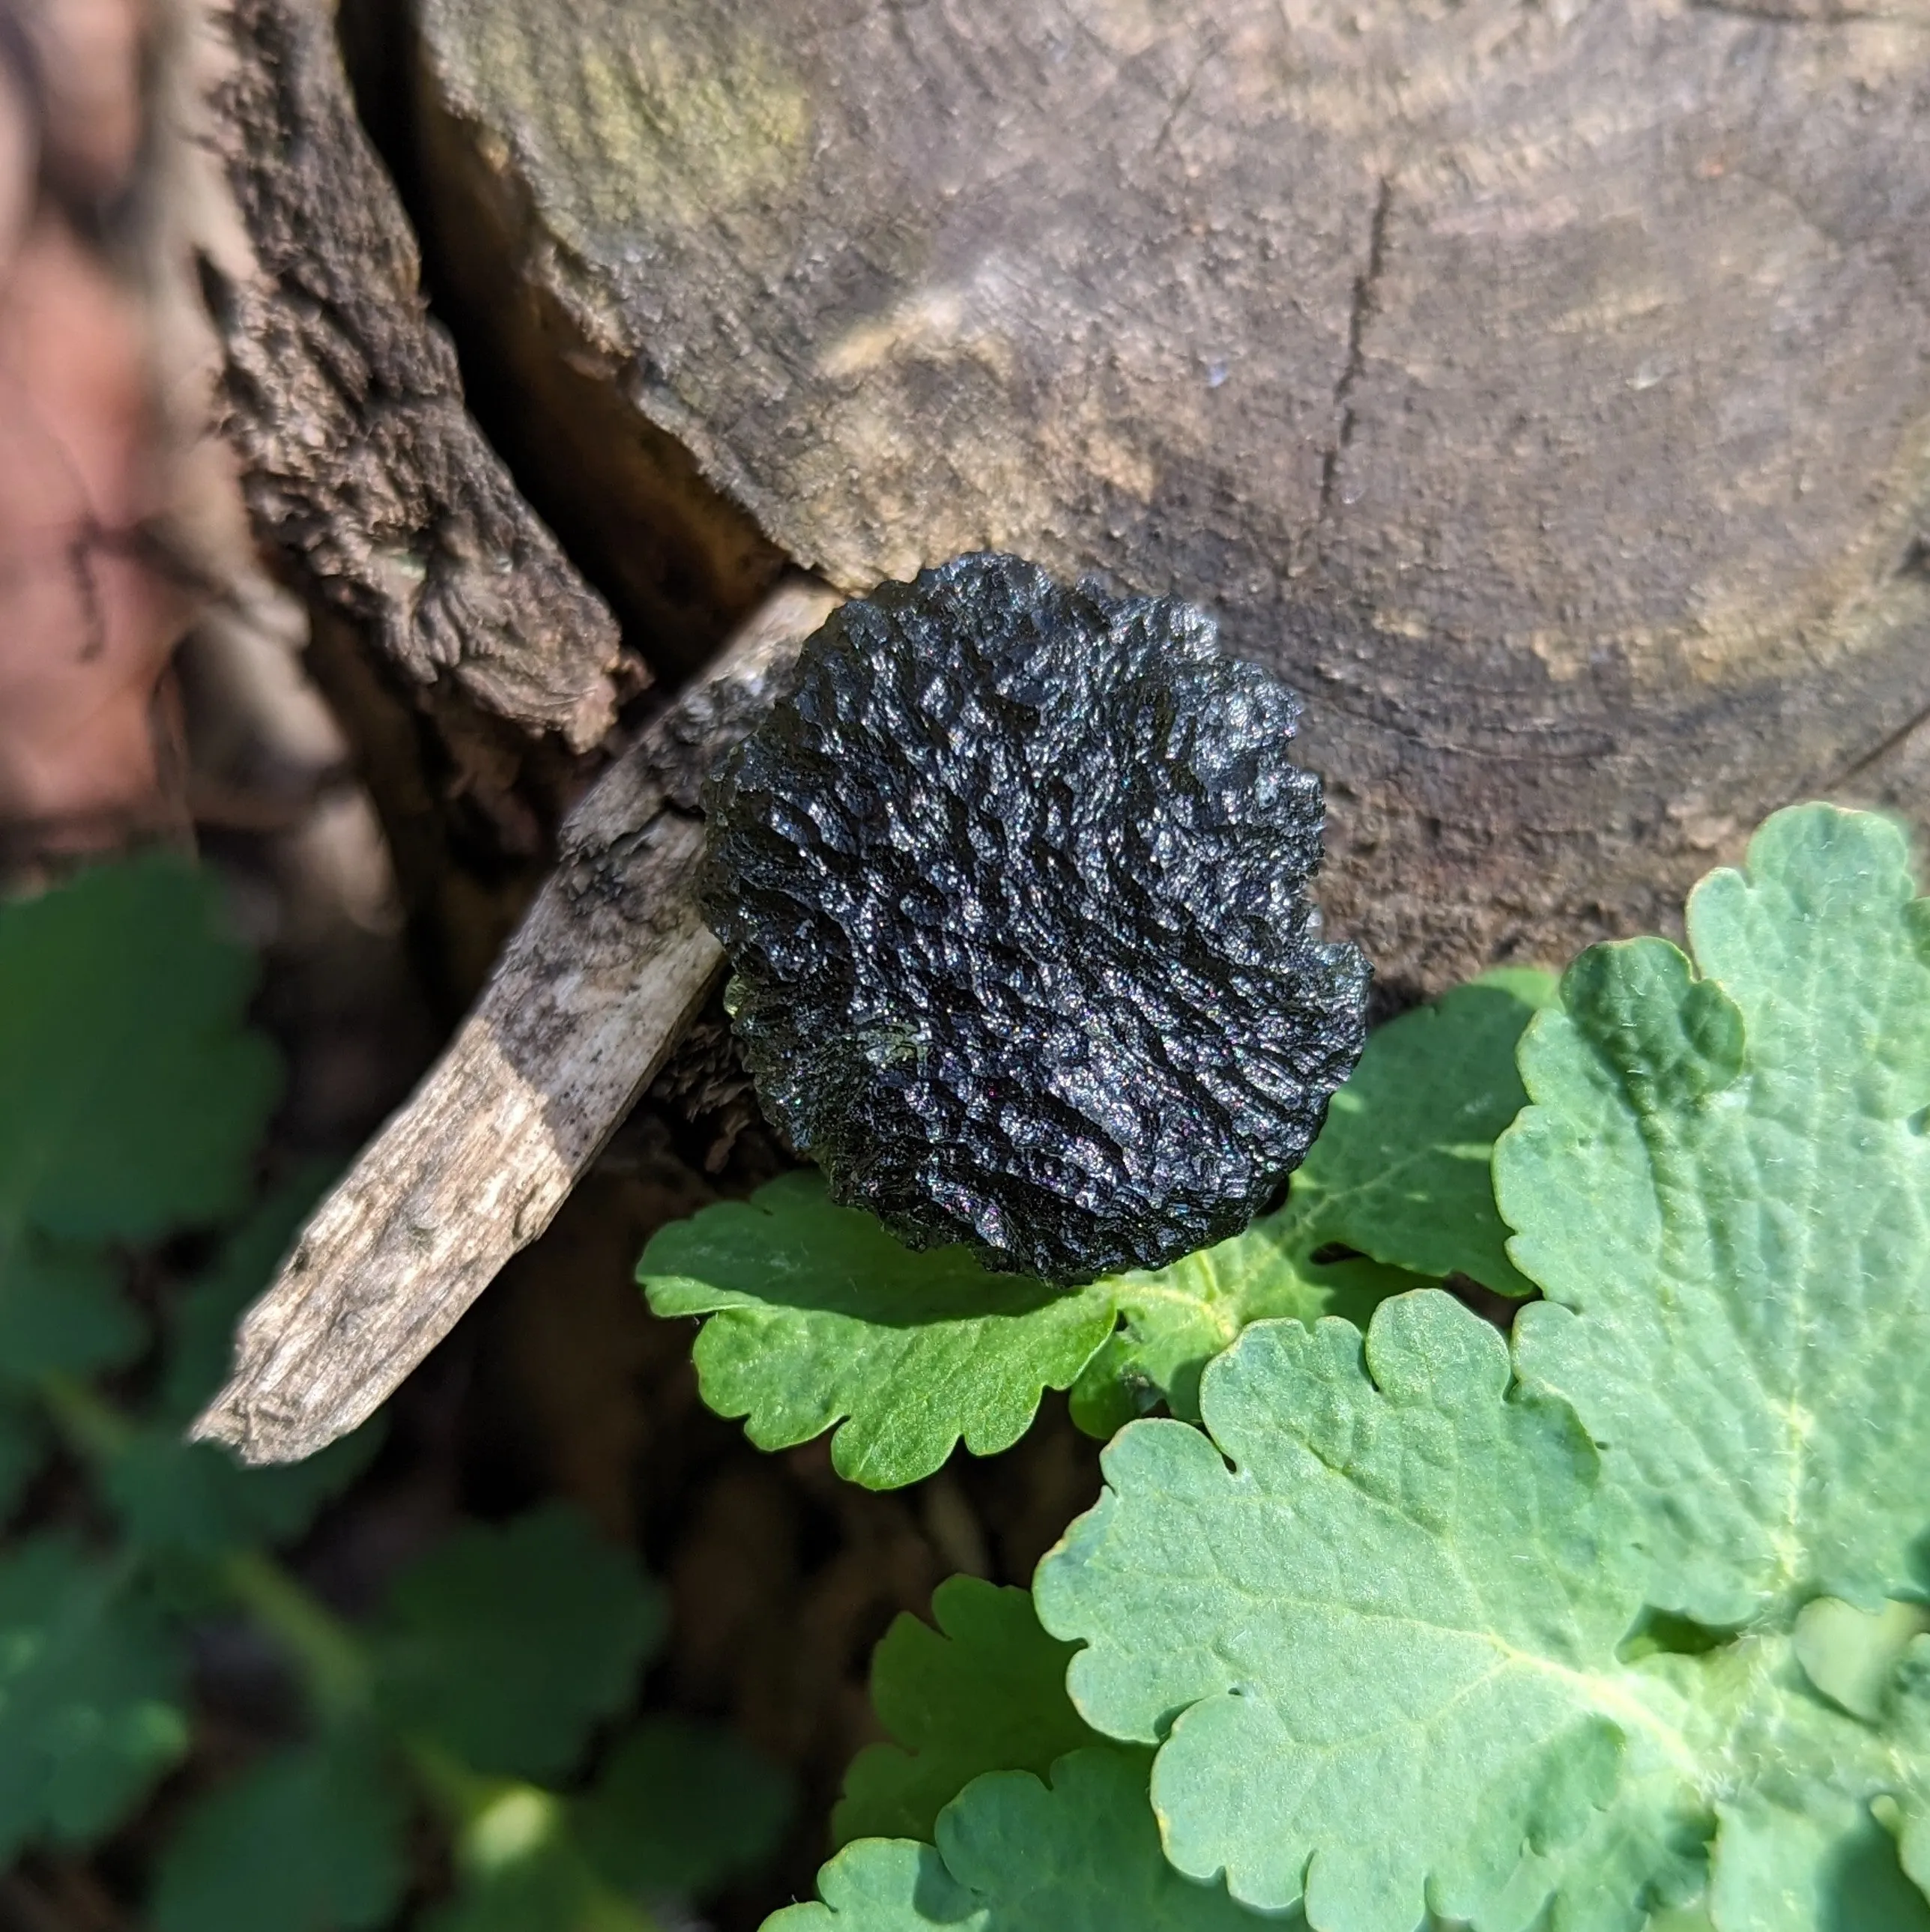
332	1658
90	1424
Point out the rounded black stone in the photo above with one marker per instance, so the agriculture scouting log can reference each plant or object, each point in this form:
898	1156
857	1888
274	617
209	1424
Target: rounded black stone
1014	887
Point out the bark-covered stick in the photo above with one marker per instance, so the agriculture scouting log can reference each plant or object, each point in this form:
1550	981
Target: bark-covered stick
586	1002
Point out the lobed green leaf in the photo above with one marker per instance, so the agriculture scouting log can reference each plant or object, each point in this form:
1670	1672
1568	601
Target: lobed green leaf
90	1685
311	1839
1637	1615
505	1645
1391	1625
984	1691
818	1318
1015	1854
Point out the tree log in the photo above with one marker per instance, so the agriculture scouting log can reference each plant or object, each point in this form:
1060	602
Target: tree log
1543	390
362	469
579	1015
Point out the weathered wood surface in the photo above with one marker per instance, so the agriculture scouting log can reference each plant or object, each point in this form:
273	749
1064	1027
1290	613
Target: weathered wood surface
362	470
1545	390
578	1016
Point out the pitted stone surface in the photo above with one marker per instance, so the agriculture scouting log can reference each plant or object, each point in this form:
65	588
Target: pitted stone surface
1015	887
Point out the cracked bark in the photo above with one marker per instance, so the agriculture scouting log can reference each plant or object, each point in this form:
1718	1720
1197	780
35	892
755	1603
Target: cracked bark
1357	318
363	472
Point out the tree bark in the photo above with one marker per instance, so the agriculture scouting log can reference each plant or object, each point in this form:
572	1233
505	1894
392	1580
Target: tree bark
1543	391
361	466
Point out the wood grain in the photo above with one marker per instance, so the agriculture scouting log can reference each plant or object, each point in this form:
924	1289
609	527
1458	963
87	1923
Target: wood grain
363	472
577	1017
1544	390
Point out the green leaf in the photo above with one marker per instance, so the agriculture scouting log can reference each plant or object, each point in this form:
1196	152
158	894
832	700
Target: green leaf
1411	1634
818	1316
1391	1626
520	1869
1401	1170
1724	1188
89	1683
681	1808
506	1644
1400	1175
62	1311
131	1099
1016	1855
985	1691
193	1499
23	1448
312	1839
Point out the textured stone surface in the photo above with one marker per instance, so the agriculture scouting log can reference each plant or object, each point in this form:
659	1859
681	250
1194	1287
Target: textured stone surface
1540	390
1015	887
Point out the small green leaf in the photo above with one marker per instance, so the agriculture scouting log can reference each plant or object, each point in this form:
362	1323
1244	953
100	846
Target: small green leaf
194	1499
23	1448
818	1316
62	1310
311	1840
520	1869
89	1683
985	1691
131	1098
1016	1855
681	1808
506	1644
1401	1170
1399	1175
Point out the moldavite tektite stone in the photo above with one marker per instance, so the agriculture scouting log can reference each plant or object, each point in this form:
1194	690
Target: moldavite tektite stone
1015	889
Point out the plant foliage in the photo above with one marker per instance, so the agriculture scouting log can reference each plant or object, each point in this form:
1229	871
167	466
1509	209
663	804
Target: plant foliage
985	1691
132	1100
1016	1853
1377	1613
818	1316
1618	1622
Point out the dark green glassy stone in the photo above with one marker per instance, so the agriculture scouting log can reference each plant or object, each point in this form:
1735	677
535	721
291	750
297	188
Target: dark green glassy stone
1014	887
